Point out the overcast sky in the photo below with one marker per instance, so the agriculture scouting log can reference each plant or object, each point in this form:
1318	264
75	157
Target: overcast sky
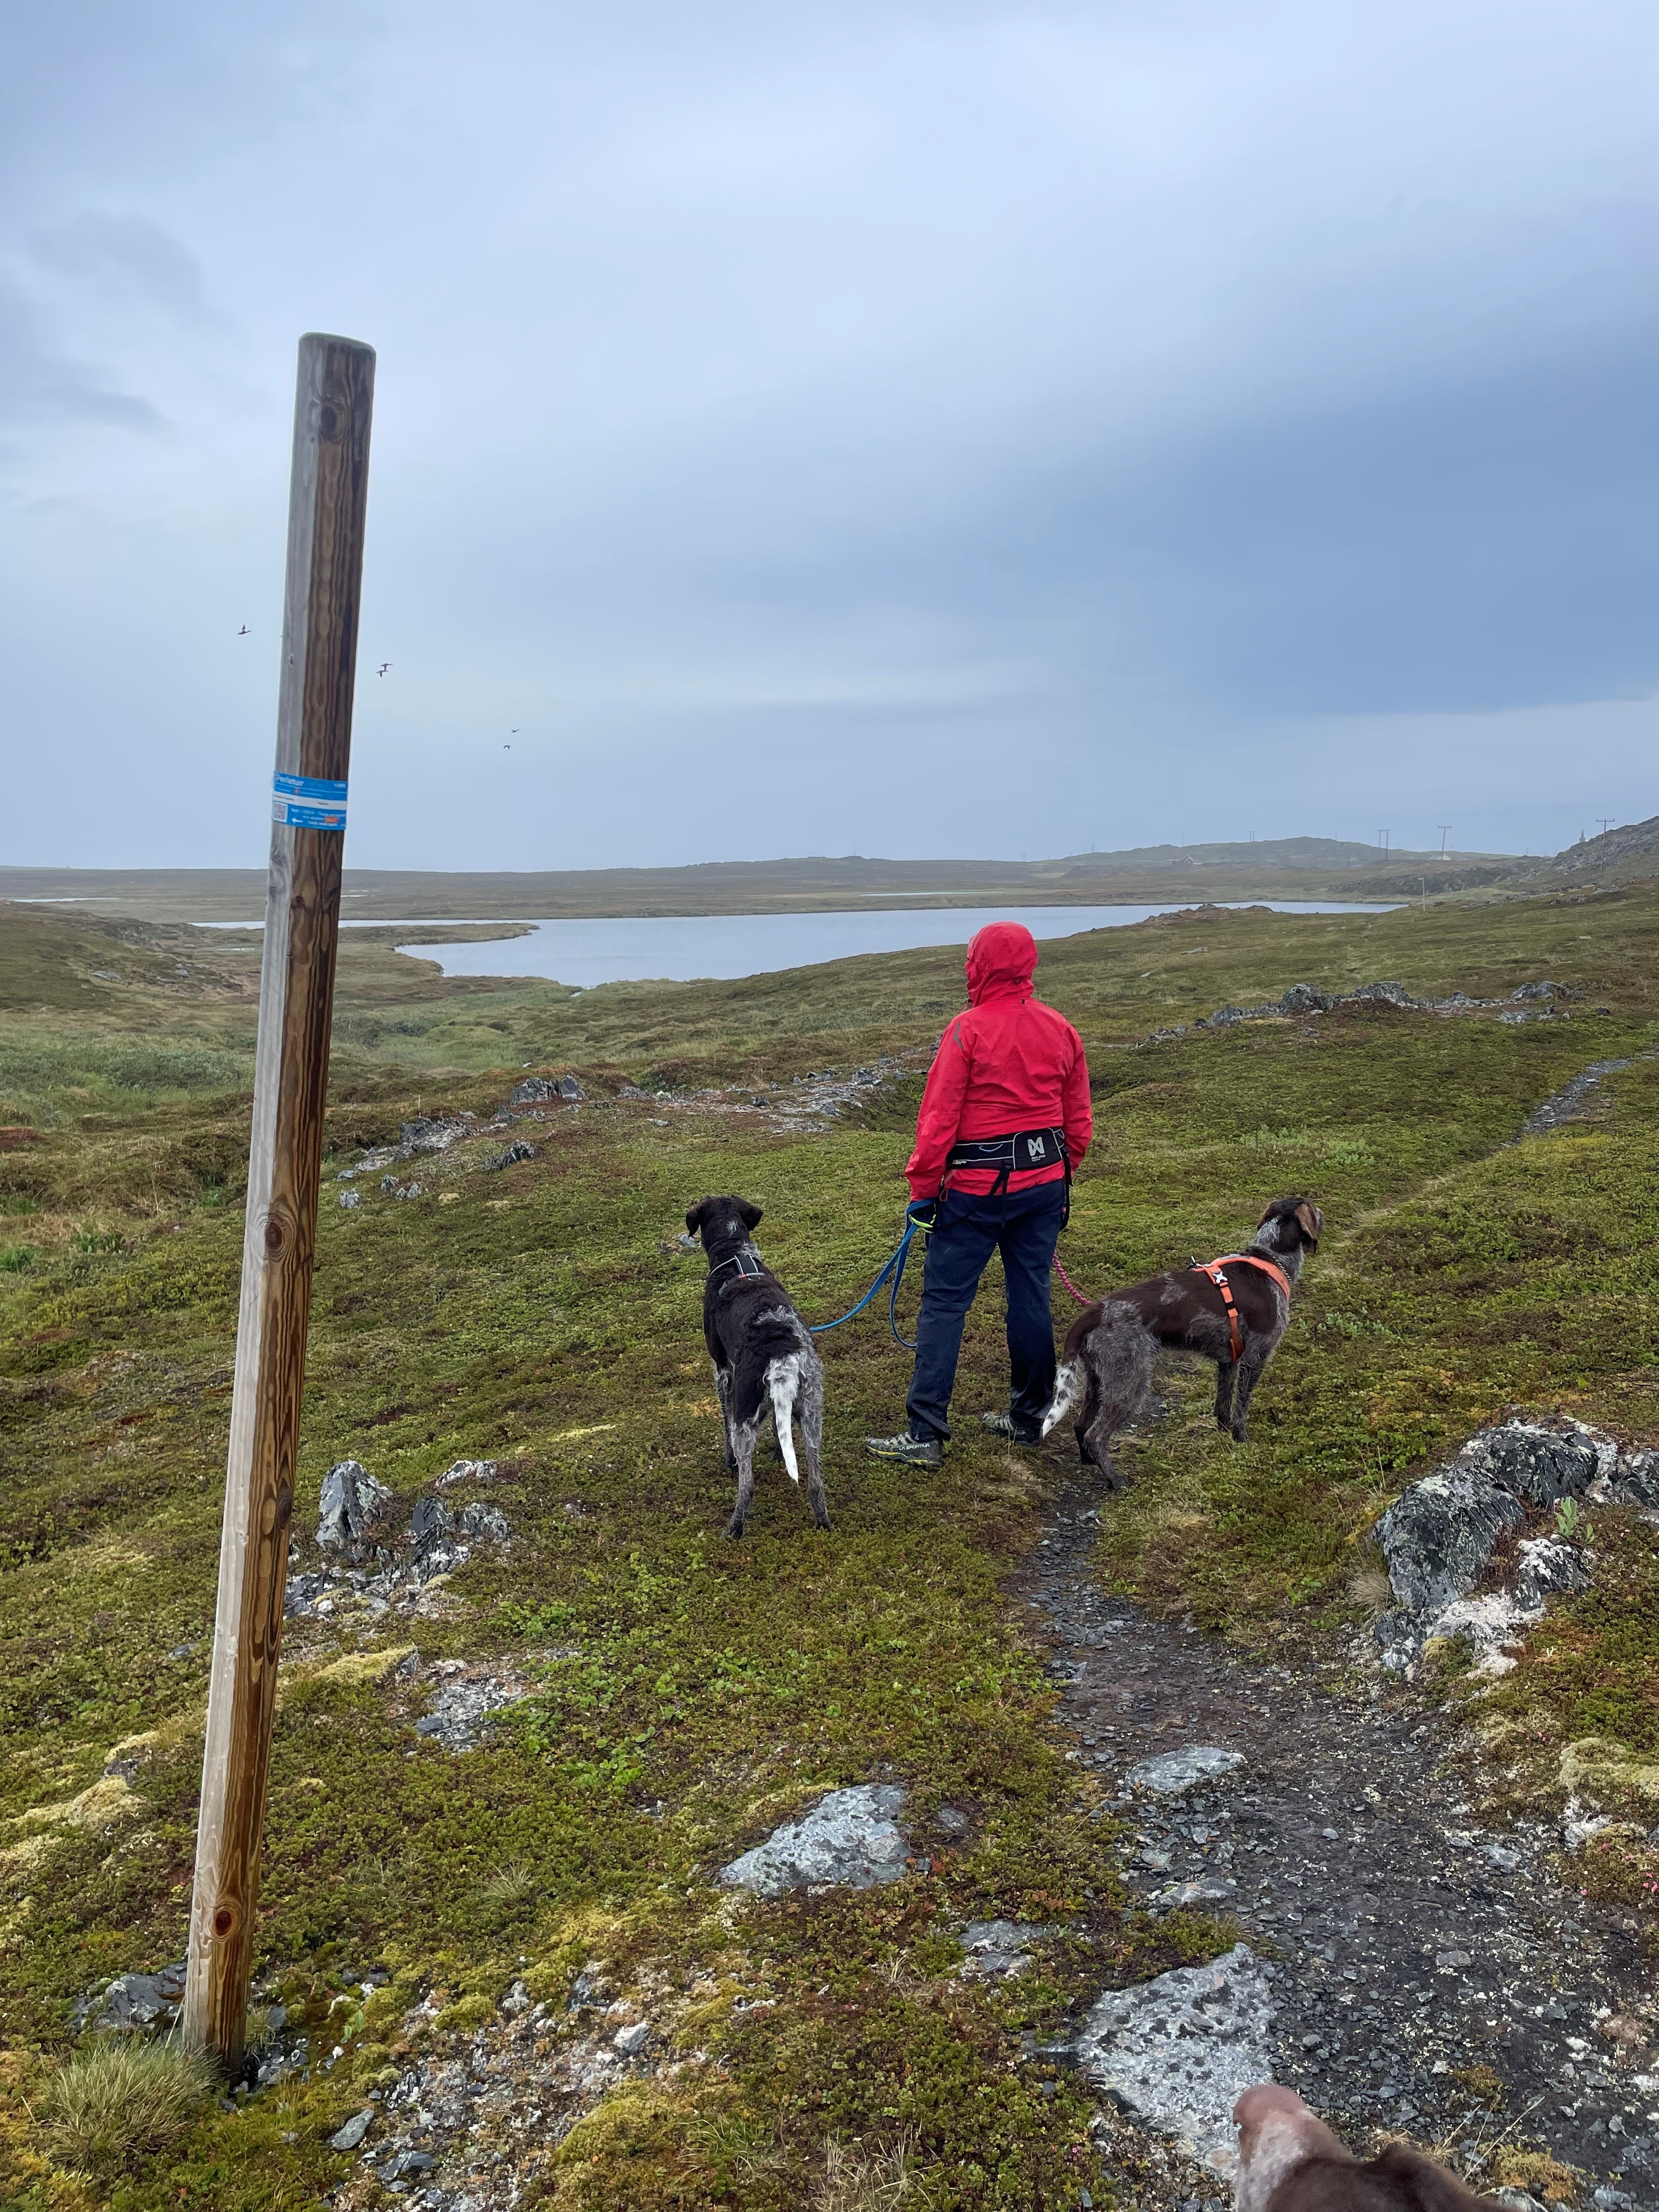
885	426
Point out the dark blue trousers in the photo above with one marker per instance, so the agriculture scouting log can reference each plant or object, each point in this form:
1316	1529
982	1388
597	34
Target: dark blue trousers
1025	1227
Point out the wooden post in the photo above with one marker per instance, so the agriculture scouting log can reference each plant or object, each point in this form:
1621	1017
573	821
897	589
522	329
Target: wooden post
326	504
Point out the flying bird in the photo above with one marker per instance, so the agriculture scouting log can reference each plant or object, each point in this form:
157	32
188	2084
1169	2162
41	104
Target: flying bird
383	667
243	631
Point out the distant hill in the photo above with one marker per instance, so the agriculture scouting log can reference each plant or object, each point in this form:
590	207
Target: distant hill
1631	849
1273	868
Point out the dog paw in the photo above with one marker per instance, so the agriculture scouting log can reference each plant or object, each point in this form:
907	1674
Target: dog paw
1239	1433
735	1530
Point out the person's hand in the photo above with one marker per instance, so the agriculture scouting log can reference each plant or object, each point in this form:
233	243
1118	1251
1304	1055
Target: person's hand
921	1214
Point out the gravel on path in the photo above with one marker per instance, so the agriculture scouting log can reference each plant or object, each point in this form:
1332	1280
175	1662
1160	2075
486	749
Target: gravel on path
1416	1951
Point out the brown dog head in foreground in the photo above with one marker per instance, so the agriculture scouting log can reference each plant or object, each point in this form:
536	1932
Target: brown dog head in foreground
1290	2161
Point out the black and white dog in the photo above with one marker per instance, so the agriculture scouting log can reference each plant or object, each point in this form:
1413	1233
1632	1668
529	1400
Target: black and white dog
1233	1310
765	1361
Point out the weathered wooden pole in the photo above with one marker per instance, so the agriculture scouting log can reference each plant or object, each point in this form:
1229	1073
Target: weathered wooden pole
326	505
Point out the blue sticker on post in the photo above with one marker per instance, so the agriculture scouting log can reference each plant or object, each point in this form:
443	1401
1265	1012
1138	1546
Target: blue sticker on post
307	802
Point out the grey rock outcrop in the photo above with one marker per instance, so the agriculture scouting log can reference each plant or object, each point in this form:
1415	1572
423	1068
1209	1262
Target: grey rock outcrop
1176	2052
352	1502
851	1840
1438	1538
537	1089
520	1149
465	1704
436	1133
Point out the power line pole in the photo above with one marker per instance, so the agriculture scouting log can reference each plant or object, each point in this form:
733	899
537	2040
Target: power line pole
1605	821
1445	832
327	500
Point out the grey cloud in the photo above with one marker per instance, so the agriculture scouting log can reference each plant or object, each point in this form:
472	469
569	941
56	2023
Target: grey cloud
43	386
127	252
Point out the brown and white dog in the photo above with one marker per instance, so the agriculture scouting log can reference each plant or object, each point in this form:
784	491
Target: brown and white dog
1290	2161
1107	1364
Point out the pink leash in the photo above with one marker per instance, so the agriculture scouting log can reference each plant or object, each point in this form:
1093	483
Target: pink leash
1072	1286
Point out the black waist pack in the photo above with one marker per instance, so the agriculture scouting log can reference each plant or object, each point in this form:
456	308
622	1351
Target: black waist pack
1024	1153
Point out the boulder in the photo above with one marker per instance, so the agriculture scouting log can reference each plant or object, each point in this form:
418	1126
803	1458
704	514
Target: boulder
351	1502
1380	994
1174	1772
1176	2052
1438	1536
850	1839
351	1199
1304	999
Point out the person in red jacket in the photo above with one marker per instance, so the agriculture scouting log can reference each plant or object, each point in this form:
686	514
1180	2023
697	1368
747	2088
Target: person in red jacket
1005	1122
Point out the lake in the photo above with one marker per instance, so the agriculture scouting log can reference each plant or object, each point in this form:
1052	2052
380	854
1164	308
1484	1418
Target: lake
691	948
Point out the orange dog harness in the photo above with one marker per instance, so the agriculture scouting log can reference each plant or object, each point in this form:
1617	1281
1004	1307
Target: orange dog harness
1216	1270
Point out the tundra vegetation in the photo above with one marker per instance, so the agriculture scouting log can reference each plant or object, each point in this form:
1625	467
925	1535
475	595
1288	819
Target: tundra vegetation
685	1694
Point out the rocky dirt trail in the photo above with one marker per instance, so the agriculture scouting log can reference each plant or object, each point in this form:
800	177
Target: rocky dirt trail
1431	1979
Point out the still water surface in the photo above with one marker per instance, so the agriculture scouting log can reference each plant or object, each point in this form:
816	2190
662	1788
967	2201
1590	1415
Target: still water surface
687	948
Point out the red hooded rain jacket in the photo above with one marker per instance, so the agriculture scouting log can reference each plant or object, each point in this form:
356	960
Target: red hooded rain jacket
1008	1063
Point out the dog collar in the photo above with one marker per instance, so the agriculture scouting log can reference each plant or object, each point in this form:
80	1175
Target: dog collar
1254	1259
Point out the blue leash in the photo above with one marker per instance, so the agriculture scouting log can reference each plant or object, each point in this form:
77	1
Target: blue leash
893	1265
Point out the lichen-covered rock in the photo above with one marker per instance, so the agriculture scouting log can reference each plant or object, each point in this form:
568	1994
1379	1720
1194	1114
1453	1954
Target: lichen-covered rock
351	1504
1176	2053
436	1133
851	1840
1548	1566
487	1523
1539	1465
1635	1478
1304	999
1438	1537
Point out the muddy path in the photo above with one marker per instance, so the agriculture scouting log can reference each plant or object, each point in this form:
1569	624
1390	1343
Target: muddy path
1434	1979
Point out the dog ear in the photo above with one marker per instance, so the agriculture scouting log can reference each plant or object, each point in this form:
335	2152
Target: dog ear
1275	1205
693	1219
750	1215
1312	1221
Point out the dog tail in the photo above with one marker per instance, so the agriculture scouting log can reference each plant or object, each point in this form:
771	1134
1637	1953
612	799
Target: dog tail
1068	1388
783	1380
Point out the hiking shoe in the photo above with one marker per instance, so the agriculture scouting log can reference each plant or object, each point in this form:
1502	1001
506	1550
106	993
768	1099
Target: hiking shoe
917	1451
1002	1424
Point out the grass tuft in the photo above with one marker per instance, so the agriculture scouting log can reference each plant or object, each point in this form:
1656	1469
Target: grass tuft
115	2104
860	2178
